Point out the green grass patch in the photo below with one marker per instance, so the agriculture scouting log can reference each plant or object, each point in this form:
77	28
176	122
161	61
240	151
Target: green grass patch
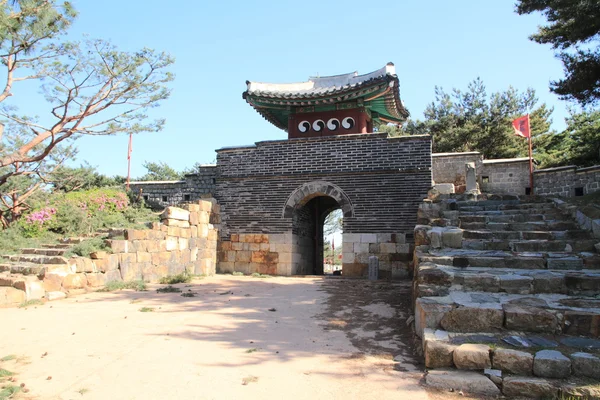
249	379
83	391
168	289
9	357
237	273
12	240
8	392
253	350
188	294
174	279
4	373
120	285
30	303
146	309
257	275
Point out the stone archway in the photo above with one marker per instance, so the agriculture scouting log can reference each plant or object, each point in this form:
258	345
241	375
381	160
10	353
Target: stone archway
308	191
308	207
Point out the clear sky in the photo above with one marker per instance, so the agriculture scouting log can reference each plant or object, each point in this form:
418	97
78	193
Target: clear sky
218	45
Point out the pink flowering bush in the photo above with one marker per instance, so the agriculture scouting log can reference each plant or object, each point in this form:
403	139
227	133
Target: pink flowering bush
79	212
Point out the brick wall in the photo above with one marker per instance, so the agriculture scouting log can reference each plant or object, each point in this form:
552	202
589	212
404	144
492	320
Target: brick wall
450	167
505	176
564	181
168	193
385	178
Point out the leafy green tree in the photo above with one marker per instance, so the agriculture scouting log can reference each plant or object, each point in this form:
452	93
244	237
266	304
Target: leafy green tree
583	132
160	171
84	177
471	120
573	31
92	89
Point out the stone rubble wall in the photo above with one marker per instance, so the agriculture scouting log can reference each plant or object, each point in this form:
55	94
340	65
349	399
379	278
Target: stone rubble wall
563	181
191	189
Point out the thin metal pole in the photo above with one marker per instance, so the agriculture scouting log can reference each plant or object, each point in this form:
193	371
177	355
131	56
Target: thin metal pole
129	161
530	157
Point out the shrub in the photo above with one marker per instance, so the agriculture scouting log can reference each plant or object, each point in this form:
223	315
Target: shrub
174	279
88	246
111	286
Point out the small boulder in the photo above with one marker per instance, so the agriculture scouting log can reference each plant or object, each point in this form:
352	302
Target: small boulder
585	364
513	361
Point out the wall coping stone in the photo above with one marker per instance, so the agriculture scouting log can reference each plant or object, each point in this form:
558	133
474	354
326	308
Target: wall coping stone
465	153
362	136
506	160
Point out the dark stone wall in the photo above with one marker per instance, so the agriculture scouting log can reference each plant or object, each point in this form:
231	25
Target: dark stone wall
384	178
170	193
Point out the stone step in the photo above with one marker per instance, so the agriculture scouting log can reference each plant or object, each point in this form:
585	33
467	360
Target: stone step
525	242
45	252
536	207
57	246
524	217
548	211
440	280
473	312
549	225
37	259
506	259
543	356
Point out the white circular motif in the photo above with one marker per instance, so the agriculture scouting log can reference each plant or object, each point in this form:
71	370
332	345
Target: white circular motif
348	123
318	125
333	124
304	126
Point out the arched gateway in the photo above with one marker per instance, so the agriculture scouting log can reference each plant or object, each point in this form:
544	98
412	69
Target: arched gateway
274	195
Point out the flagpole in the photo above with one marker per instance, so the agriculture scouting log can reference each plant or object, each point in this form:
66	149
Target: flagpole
530	157
129	161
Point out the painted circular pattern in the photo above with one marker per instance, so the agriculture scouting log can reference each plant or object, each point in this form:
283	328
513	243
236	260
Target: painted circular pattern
318	125
333	124
304	126
348	123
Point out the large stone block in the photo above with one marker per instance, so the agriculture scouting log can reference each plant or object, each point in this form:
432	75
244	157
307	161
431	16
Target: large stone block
113	276
74	281
516	386
176	213
452	237
551	364
473	319
33	288
11	296
586	364
118	246
530	319
355	269
466	381
53	282
513	361
472	356
96	279
438	354
429	314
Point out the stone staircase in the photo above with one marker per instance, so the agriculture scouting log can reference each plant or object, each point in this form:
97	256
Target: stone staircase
40	273
507	297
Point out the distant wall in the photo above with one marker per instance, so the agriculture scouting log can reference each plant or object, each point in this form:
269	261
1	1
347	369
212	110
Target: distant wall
168	193
567	181
505	176
450	167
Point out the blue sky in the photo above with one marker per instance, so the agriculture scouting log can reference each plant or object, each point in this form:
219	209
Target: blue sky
218	45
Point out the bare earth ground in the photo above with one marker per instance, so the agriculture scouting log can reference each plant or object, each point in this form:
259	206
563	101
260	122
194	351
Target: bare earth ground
325	339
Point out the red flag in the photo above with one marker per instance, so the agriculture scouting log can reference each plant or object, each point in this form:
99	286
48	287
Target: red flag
129	149
521	126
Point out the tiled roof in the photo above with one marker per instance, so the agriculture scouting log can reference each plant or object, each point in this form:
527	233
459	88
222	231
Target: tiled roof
319	86
380	89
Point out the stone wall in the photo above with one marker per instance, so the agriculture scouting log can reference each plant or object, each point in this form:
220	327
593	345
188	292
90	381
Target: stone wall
391	249
504	176
378	182
168	193
567	181
450	167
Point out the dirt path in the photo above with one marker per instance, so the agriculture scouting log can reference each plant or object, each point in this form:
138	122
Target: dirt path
323	339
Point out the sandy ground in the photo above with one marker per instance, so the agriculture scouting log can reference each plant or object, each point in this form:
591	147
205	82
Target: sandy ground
324	339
